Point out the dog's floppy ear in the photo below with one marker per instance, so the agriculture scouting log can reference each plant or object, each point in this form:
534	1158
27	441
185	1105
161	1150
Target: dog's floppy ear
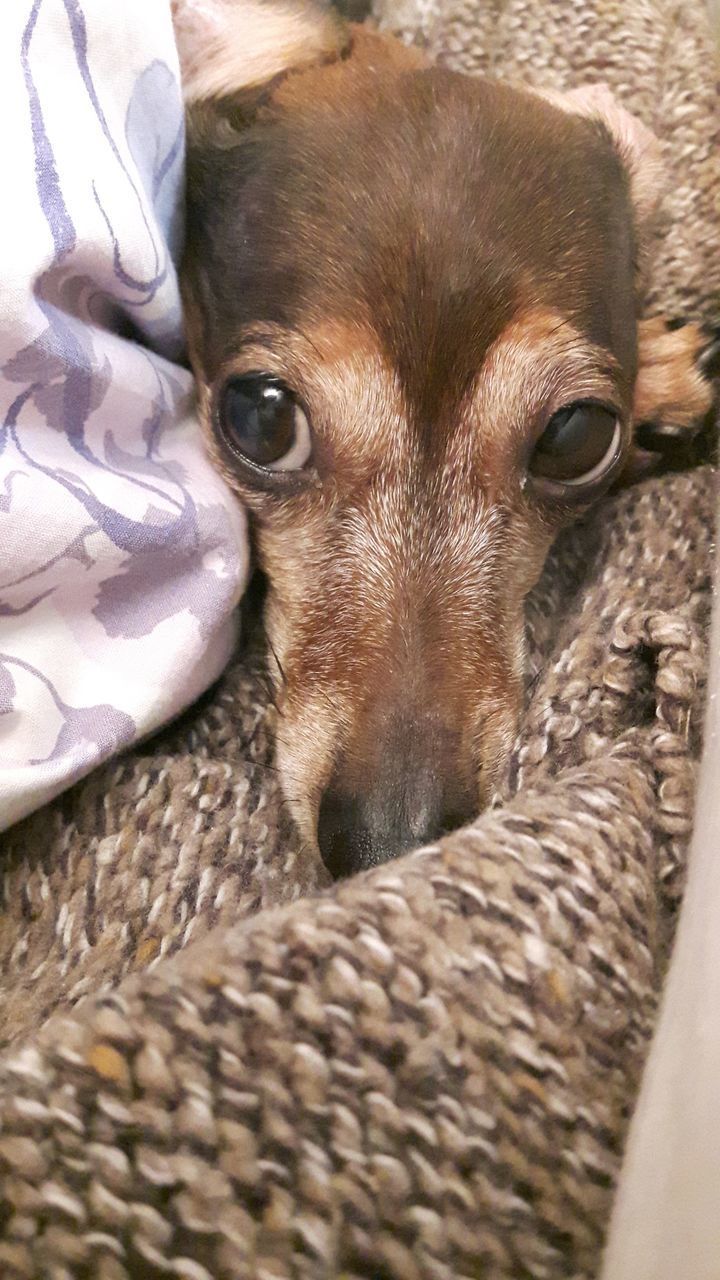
636	145
230	48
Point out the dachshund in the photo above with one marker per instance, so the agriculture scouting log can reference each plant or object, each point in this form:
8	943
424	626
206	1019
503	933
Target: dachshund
414	309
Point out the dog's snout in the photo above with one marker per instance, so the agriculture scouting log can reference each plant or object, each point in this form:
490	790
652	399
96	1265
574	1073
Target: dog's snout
367	817
356	832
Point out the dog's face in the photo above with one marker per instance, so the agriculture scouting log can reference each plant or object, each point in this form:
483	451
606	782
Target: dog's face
412	317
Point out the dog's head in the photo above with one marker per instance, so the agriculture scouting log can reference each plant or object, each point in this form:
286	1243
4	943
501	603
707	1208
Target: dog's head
412	314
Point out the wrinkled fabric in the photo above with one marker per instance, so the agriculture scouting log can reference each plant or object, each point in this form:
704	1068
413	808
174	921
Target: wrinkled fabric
122	553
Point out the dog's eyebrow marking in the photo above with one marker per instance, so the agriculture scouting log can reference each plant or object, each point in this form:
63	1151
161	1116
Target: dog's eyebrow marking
329	339
538	364
340	371
337	339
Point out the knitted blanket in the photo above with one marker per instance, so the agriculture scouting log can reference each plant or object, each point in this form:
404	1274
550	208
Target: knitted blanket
215	1063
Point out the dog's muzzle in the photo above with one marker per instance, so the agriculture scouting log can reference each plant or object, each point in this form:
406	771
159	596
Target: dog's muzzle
410	794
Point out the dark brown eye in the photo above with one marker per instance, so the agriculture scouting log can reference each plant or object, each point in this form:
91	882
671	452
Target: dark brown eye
261	419
578	446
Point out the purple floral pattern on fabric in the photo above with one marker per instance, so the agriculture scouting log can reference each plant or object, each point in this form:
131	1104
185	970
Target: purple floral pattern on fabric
122	554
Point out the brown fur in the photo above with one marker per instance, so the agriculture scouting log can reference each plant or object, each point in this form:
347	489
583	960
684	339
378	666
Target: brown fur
365	240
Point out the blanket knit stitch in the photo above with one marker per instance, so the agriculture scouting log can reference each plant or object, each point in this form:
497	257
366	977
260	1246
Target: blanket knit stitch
216	1064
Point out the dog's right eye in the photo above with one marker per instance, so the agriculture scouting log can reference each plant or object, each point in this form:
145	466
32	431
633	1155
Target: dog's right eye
261	420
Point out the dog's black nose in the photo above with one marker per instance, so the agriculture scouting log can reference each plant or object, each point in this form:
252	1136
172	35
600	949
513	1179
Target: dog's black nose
363	828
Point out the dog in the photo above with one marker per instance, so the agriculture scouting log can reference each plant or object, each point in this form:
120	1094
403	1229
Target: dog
413	302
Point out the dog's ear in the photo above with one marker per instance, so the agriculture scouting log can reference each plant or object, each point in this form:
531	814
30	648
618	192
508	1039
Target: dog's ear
636	145
232	49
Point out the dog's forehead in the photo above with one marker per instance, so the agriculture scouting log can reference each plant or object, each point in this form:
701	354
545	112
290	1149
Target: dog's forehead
432	206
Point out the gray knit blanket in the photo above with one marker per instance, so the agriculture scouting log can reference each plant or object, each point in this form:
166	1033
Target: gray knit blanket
218	1065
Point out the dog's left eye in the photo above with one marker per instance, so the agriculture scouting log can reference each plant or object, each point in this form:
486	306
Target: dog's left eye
578	446
261	419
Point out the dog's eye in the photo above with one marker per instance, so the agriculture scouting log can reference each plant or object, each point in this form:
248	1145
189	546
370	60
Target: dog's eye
261	419
579	445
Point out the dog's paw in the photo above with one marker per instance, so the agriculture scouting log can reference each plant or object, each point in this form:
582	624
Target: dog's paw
675	405
709	361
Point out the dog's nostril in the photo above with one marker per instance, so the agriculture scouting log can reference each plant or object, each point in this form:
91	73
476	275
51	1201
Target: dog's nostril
355	833
346	841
